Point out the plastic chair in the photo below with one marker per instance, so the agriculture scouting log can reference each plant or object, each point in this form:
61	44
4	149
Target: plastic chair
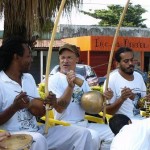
107	116
52	121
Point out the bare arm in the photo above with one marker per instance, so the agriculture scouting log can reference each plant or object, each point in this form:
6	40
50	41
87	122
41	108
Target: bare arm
21	101
64	100
37	105
114	107
7	114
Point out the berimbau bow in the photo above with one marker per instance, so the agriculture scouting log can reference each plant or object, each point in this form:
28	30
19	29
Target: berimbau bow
49	61
112	52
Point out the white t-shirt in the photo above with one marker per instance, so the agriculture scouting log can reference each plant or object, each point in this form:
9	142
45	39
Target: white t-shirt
135	136
58	84
117	82
23	119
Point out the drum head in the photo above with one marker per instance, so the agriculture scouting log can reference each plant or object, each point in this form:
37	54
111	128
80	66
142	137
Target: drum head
18	142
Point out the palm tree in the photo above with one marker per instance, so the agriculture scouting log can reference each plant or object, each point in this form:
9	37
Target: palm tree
23	17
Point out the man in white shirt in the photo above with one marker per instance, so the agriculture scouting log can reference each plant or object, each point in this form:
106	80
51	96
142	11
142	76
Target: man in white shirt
128	135
19	97
71	110
127	85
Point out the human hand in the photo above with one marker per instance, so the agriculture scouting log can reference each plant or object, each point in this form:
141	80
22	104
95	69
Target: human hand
51	99
37	107
127	93
3	136
147	97
108	94
71	78
21	101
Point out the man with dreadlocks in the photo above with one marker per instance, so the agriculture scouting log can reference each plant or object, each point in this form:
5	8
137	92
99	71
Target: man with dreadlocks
17	111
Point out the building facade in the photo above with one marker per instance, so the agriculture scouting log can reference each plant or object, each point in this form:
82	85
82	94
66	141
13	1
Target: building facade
95	44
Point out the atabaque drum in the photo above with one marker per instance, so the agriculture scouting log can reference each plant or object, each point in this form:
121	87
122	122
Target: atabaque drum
17	142
92	102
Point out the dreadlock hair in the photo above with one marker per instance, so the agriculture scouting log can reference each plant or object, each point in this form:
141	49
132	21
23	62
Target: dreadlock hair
10	46
117	122
121	50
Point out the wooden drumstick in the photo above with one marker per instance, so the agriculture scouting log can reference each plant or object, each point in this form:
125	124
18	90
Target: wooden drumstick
49	60
112	51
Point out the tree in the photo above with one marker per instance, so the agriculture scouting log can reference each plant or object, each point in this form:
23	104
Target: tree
110	17
23	17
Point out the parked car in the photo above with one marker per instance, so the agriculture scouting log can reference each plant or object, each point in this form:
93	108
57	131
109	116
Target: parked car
84	70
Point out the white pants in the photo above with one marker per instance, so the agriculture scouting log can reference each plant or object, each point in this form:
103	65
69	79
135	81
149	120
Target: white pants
62	138
68	138
101	134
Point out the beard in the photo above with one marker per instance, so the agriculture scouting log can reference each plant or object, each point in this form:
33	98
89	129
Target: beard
128	70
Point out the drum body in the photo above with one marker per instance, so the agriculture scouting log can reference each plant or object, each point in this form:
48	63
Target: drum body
92	102
17	142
